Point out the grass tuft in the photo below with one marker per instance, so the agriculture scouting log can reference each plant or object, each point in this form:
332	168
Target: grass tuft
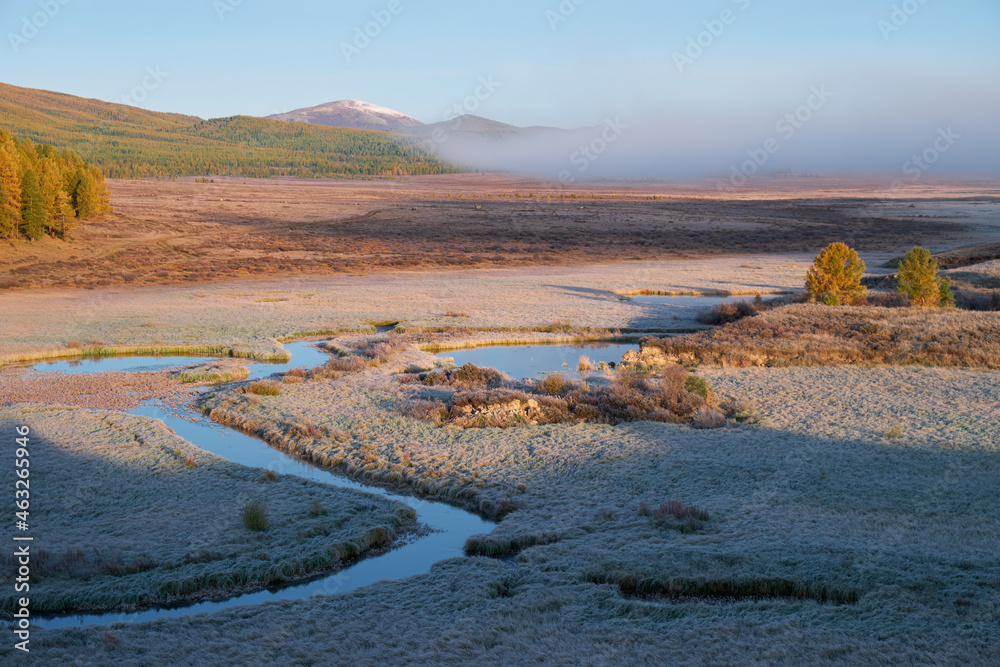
255	515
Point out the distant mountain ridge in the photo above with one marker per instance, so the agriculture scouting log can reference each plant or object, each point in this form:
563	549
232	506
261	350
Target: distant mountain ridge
365	116
353	114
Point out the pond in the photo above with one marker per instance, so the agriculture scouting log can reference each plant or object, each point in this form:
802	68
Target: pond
305	355
528	361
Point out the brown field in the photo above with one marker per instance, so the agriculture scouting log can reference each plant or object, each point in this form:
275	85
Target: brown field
164	232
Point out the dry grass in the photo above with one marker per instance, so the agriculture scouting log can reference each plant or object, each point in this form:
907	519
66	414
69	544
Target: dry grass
213	374
263	388
181	232
808	335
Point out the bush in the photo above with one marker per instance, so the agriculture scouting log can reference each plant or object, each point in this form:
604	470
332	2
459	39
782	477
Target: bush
700	386
835	276
555	385
731	311
255	515
468	376
707	418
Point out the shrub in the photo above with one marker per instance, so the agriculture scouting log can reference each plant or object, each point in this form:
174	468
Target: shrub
555	385
731	311
918	278
701	386
255	515
584	364
835	276
468	376
707	418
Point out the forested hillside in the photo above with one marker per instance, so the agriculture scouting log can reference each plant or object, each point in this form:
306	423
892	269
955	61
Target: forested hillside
128	142
44	191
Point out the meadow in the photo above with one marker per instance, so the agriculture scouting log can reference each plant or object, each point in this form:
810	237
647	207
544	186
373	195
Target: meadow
842	512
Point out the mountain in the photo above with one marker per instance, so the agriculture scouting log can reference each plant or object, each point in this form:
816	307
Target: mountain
351	114
128	142
362	115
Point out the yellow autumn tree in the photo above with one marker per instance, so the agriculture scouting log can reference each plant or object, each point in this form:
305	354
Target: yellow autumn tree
10	193
835	276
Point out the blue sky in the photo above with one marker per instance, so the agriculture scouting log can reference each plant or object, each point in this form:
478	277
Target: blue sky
225	57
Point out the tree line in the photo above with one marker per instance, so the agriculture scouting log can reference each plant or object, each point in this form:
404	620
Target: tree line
45	191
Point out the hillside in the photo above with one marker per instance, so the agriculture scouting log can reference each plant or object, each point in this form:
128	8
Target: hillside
128	142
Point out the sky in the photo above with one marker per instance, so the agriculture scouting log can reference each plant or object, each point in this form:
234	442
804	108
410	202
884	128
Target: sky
707	82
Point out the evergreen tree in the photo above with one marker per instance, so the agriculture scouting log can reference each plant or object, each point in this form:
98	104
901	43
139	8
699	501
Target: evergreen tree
10	194
918	278
33	207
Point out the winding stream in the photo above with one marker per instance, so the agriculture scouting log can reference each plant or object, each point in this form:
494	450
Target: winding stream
451	526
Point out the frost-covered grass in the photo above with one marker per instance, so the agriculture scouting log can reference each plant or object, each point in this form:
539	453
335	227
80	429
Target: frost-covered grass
125	514
817	540
242	318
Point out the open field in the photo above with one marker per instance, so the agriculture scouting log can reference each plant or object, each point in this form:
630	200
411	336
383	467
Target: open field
127	514
165	232
851	518
247	316
847	489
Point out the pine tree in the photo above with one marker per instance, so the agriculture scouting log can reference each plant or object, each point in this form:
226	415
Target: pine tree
33	207
918	278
